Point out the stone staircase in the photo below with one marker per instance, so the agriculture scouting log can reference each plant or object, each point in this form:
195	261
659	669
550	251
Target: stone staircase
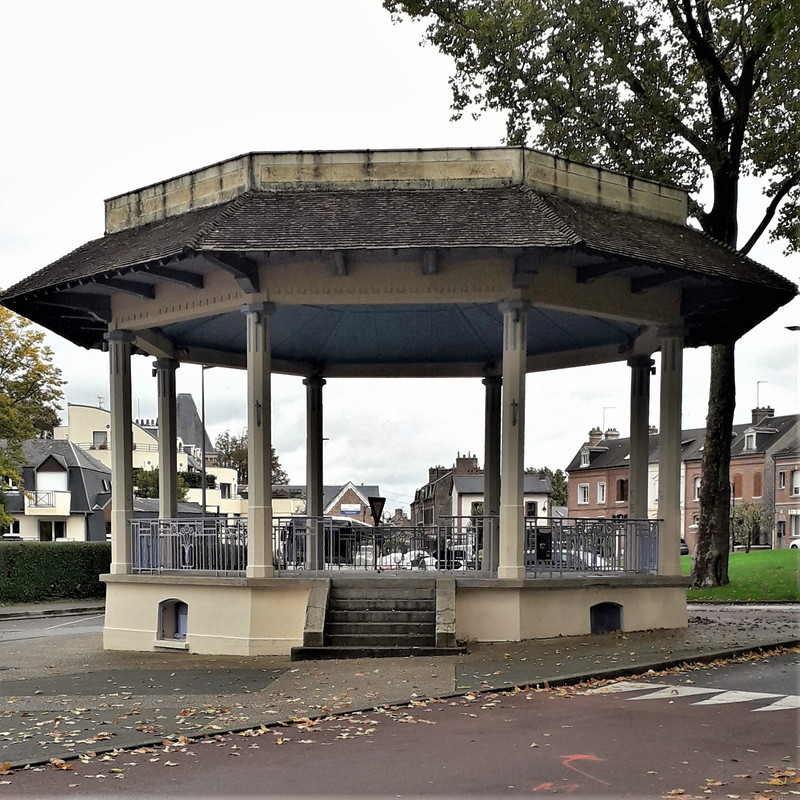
387	616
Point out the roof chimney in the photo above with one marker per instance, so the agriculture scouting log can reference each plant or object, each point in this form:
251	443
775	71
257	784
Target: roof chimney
760	414
595	437
653	430
467	465
612	433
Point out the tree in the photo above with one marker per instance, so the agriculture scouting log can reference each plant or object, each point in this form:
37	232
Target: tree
558	482
232	453
749	520
145	484
693	92
30	390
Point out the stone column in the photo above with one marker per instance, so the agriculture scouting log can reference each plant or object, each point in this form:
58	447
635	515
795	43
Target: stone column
491	470
120	344
669	463
167	438
259	451
314	500
640	436
511	563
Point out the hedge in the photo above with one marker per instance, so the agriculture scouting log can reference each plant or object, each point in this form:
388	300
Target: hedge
34	571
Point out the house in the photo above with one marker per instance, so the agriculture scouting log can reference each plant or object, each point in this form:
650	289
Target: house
64	494
347	500
90	426
765	457
458	491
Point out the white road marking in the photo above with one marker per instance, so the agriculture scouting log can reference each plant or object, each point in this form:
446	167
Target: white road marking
734	696
785	703
74	622
670	692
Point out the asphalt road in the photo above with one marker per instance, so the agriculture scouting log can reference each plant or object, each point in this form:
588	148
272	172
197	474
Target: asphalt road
654	737
40	627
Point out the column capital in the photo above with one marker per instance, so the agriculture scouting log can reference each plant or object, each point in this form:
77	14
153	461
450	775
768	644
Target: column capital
674	332
641	362
120	335
492	380
166	363
267	309
511	305
314	381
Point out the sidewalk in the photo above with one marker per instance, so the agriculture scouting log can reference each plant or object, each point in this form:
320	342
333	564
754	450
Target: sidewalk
64	695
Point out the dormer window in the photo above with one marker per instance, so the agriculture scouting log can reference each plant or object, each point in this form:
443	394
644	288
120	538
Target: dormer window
584	458
750	441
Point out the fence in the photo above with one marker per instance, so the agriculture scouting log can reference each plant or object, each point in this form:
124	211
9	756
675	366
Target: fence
216	545
563	547
328	544
553	547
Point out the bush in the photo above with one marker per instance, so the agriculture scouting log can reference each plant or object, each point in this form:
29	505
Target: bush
36	571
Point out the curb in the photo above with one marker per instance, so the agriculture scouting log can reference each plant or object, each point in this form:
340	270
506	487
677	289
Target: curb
69	611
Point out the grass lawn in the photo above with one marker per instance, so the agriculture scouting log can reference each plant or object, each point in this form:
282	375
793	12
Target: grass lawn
761	576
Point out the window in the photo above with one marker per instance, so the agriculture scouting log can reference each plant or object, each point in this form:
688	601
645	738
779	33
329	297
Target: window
622	490
781	529
99	440
697	488
601	492
51	530
749	441
584	458
781	480
530	508
758	484
583	494
225	491
737	485
796	481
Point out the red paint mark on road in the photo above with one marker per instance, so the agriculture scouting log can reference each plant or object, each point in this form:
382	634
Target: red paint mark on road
551	787
567	762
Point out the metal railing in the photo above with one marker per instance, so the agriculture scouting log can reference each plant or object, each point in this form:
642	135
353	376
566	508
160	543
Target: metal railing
562	547
327	544
43	499
553	547
212	545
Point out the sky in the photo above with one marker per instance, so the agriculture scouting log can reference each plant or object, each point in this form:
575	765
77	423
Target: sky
101	98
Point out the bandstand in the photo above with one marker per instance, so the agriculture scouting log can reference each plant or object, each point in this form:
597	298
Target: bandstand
485	263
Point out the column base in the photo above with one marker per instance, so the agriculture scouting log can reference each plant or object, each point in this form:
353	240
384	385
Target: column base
260	571
511	573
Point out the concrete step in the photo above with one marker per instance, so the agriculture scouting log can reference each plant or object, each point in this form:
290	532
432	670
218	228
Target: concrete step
329	652
380	640
387	582
374	615
426	593
381	628
378	604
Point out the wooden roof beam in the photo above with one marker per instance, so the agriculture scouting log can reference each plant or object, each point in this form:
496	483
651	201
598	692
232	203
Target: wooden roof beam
243	269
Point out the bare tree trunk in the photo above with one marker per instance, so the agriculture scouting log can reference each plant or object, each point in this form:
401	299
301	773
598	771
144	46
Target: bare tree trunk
710	561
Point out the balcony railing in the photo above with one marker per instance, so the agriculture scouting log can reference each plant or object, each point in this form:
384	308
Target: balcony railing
564	547
43	499
464	545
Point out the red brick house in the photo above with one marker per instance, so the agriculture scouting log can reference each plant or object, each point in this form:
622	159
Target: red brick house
765	470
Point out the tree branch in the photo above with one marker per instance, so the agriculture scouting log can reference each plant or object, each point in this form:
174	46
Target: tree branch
786	186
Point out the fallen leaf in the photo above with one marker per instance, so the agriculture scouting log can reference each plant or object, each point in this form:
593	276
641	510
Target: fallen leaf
5	768
59	763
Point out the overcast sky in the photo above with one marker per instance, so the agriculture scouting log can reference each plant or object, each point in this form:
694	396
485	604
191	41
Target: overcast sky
101	98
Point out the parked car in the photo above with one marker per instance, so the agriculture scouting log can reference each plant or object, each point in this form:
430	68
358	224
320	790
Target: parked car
794	544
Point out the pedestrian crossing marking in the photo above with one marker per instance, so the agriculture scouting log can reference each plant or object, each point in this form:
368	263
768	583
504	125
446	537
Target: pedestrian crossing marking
734	697
788	702
661	691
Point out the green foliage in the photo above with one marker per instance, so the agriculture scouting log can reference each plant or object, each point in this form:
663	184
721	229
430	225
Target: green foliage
558	480
145	484
749	520
30	390
232	453
760	576
35	571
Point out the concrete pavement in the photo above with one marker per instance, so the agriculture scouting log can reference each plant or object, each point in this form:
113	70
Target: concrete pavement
66	696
